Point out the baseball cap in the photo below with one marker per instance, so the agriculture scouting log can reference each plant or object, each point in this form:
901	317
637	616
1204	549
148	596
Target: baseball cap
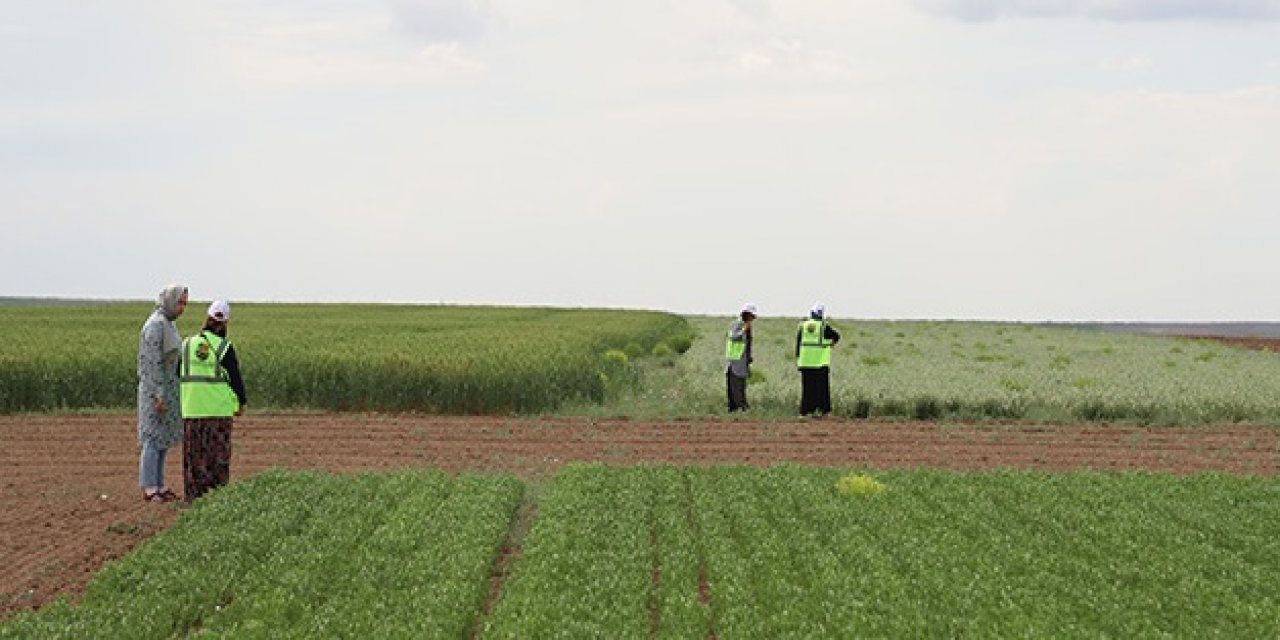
818	310
220	310
749	308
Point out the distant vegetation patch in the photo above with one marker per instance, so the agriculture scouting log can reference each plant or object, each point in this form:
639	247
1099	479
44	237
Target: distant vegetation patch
993	371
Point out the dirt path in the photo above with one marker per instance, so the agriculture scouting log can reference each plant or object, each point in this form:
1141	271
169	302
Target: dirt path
71	503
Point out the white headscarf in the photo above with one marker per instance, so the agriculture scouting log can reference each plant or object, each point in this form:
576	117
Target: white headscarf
167	305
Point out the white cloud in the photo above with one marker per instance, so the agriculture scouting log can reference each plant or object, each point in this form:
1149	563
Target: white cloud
449	58
752	61
794	56
754	8
445	21
1128	64
984	10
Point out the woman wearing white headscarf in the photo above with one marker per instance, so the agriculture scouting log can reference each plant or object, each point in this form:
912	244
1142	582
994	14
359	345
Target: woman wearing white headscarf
814	340
159	400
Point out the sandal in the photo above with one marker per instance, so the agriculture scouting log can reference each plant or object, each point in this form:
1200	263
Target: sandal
168	495
153	497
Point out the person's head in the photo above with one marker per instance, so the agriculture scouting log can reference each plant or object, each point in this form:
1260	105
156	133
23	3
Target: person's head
818	311
217	317
748	311
172	301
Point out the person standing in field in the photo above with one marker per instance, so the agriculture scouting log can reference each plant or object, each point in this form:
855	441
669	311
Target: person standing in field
814	340
159	410
737	354
212	395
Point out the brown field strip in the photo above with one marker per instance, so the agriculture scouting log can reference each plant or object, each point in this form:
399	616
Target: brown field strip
71	503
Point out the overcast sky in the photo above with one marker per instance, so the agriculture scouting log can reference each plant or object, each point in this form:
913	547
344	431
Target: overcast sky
993	159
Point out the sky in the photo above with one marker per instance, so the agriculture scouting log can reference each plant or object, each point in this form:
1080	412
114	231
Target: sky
938	159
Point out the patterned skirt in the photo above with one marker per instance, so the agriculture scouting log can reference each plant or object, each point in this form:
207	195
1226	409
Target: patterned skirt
206	455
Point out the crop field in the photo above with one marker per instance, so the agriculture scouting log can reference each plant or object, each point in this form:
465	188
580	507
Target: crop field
440	359
305	555
490	360
987	371
571	473
693	552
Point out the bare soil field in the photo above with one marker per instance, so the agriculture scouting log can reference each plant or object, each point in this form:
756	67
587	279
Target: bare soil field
1257	344
71	502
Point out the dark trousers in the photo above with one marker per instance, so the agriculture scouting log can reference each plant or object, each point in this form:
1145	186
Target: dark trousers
737	392
815	391
206	455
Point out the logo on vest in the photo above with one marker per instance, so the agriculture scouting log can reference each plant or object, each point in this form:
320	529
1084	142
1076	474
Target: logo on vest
202	351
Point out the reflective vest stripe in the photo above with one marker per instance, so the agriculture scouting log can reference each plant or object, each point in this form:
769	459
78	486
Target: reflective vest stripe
219	353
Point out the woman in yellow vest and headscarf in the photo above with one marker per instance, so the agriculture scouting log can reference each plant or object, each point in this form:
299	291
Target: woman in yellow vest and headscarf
212	395
814	339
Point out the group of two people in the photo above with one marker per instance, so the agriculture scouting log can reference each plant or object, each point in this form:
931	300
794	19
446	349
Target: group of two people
814	340
189	391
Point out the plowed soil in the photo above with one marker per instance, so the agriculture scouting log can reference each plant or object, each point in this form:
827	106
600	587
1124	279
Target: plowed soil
71	502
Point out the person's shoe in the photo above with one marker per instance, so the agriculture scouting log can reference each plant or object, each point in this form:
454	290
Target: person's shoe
168	495
153	497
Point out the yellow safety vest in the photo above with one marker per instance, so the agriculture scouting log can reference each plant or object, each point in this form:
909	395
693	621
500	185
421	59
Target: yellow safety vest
815	348
206	390
735	349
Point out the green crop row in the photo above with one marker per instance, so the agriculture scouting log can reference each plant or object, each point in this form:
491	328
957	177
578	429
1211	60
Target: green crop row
1005	554
730	552
986	371
304	556
345	357
612	554
781	552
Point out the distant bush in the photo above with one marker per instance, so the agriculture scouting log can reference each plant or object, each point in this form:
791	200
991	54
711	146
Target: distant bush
633	350
680	343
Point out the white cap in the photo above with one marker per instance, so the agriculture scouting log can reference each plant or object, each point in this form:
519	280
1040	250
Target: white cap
749	308
818	310
220	310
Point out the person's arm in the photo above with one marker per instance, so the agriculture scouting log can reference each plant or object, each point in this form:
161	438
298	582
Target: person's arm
799	332
831	334
150	362
232	364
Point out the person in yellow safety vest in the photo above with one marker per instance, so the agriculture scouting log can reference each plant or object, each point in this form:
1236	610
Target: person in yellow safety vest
212	395
737	354
814	340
